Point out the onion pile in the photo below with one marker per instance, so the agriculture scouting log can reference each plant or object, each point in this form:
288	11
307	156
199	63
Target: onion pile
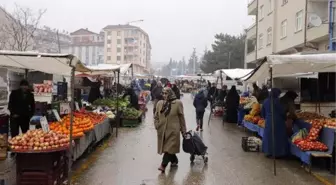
38	140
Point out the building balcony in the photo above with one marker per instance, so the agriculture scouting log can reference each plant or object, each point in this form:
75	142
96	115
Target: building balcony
251	32
252	7
250	57
315	34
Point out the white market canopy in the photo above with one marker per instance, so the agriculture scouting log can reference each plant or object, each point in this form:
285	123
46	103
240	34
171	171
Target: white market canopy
293	65
58	64
105	69
234	73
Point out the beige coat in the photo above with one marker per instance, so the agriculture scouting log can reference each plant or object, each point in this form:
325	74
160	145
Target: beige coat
169	128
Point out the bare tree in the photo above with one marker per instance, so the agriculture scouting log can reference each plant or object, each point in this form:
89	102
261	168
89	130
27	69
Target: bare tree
19	28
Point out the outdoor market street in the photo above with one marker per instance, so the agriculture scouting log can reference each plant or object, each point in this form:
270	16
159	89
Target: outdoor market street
131	159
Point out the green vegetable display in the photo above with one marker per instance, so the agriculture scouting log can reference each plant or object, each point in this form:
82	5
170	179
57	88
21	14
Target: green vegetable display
131	113
112	103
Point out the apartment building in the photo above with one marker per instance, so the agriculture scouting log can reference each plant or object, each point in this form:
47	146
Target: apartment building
286	27
88	46
128	44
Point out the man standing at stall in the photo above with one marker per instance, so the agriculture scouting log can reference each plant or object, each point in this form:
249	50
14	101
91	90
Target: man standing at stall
22	107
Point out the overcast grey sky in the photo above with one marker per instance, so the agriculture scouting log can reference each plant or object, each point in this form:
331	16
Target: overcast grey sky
174	26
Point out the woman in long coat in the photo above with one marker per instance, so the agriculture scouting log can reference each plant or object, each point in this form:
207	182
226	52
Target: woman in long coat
280	135
170	124
232	104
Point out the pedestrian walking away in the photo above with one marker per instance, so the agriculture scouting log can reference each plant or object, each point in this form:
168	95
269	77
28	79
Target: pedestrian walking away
157	94
200	103
169	123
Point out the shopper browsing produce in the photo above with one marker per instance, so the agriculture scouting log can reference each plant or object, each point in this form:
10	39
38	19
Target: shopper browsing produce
281	141
22	107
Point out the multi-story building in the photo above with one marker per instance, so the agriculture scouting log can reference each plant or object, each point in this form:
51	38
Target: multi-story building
87	46
127	44
286	27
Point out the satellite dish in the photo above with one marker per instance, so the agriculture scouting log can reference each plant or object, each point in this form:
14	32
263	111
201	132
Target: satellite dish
314	20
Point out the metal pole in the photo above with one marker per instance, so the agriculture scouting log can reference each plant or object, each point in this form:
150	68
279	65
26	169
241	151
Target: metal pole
332	43
58	42
229	59
272	120
118	114
72	88
194	56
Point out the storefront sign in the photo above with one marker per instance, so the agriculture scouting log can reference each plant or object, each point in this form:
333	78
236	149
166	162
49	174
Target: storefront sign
77	106
64	108
44	124
57	116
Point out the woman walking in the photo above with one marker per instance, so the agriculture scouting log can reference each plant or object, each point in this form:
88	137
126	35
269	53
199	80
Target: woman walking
200	103
232	104
169	123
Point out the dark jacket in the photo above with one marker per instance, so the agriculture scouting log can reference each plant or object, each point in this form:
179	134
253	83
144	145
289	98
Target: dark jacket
176	91
200	102
134	101
157	92
222	94
94	93
20	103
212	92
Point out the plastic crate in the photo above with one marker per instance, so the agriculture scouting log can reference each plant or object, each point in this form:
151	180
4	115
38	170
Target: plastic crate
130	122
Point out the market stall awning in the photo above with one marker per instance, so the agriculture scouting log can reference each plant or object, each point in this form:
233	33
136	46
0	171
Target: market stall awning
234	73
105	69
284	65
60	64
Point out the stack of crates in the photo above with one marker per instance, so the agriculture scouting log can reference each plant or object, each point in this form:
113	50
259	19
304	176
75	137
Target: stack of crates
41	168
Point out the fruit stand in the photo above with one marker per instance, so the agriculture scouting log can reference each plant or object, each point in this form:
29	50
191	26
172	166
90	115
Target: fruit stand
253	122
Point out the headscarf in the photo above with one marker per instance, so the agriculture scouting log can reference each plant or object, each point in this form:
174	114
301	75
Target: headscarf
275	92
232	91
167	105
291	94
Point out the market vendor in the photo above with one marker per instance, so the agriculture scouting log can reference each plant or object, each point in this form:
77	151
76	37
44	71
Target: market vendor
22	107
132	97
288	104
94	93
280	136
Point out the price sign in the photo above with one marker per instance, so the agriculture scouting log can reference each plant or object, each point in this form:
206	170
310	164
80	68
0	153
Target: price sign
64	108
77	106
57	116
44	124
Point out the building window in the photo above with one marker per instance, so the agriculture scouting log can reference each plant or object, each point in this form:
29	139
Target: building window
270	3
108	57
283	31
118	50
284	2
118	41
109	33
109	41
108	49
298	21
118	58
269	36
261	40
261	12
118	33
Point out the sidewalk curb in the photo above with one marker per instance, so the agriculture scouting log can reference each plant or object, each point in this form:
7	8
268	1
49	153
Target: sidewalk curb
321	179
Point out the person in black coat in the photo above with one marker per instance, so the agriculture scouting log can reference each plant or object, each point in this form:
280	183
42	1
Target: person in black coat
134	101
176	91
22	107
200	103
94	93
232	104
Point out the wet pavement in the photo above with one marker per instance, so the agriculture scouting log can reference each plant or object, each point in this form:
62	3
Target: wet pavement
131	159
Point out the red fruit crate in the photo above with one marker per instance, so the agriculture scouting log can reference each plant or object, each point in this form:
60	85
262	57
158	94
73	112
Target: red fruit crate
41	168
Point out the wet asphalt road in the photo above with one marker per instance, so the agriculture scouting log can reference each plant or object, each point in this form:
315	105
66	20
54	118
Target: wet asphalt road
131	159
